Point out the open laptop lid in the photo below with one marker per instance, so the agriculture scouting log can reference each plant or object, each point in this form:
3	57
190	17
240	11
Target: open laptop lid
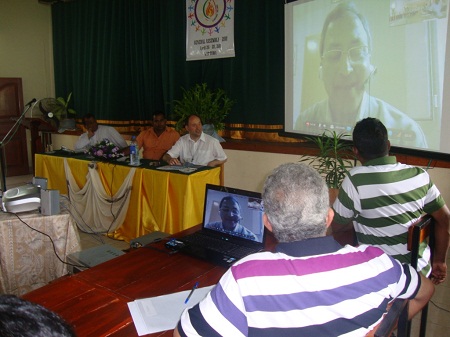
239	207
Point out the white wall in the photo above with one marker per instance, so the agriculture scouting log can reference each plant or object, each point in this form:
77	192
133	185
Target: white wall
26	49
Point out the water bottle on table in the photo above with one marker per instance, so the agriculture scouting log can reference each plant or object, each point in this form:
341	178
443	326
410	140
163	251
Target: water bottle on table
134	152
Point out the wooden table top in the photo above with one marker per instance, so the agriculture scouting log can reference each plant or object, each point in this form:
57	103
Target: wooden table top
95	301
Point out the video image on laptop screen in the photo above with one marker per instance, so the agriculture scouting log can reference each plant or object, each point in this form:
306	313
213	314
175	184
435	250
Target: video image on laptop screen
235	212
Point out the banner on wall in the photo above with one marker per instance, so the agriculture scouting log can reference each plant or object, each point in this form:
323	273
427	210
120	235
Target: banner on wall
209	29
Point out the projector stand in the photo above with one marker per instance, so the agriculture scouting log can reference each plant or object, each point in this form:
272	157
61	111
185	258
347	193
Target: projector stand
6	140
2	168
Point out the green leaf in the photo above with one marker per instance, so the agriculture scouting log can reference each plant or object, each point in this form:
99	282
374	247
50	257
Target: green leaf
211	105
334	159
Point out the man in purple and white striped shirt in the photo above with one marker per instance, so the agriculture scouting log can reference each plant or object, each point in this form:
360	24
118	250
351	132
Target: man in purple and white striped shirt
311	285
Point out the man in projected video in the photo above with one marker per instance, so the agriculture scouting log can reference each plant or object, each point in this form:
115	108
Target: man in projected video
230	215
346	70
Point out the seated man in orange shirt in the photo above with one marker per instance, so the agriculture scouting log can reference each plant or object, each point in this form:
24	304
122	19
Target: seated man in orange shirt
158	139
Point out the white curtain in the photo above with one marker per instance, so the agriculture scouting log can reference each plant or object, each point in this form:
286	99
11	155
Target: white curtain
93	209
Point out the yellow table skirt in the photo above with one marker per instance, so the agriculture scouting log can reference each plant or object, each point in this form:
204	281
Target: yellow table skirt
164	201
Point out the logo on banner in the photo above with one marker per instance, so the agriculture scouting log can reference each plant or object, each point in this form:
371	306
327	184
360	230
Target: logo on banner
210	28
209	13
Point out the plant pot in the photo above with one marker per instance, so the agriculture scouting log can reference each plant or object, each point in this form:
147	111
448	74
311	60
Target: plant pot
67	124
209	130
333	194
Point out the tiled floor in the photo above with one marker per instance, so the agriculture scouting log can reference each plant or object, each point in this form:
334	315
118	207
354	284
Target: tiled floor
438	323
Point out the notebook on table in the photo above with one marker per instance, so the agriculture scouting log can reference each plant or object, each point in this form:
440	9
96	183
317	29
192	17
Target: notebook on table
216	241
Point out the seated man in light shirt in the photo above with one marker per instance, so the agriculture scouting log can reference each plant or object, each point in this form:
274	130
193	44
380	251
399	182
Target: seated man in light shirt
96	133
196	147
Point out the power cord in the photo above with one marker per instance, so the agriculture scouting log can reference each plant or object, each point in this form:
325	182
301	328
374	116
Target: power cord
49	237
84	225
439	307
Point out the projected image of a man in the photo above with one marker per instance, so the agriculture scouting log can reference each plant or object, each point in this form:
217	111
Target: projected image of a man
346	70
230	215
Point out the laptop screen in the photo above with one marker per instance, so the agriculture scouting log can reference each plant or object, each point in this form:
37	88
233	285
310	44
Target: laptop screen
234	212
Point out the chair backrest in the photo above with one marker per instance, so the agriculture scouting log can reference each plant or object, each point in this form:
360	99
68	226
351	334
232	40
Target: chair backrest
418	233
397	316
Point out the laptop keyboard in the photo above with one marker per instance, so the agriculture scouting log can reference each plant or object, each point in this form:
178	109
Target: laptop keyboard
218	245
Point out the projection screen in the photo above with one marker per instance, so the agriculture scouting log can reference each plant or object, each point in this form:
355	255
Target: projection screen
390	63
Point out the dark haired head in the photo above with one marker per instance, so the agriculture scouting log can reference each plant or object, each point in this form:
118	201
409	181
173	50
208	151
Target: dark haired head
159	113
21	318
370	139
228	198
342	10
88	116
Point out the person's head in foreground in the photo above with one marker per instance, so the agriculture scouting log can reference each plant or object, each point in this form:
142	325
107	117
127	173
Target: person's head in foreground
296	203
230	213
310	285
21	318
370	139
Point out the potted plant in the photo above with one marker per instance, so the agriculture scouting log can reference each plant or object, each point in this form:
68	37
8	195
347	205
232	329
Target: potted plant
212	106
334	160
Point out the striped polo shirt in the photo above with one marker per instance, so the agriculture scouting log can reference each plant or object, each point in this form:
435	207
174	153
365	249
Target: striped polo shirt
341	291
384	198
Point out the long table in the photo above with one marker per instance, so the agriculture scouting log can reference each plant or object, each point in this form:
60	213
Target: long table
95	301
167	201
28	259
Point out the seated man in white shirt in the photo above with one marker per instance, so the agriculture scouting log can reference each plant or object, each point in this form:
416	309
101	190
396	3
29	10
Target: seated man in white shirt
96	133
196	147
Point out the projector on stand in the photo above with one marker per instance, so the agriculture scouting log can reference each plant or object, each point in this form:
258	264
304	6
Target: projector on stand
31	197
22	199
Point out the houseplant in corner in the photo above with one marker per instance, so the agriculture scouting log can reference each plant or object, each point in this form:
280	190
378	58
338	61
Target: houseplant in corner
334	159
211	105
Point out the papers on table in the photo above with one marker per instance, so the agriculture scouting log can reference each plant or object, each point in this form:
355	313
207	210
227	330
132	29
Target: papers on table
184	169
170	167
162	313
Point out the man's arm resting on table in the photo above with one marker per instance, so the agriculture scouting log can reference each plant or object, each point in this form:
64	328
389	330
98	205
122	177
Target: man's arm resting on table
216	162
171	161
441	235
82	142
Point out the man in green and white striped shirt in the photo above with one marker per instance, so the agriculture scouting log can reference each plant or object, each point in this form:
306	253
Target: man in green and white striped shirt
383	198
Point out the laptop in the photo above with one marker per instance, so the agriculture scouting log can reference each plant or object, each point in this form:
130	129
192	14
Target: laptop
224	208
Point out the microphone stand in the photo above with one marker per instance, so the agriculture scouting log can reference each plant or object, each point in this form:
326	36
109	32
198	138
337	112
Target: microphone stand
5	141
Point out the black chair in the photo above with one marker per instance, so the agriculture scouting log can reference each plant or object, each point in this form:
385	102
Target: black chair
417	233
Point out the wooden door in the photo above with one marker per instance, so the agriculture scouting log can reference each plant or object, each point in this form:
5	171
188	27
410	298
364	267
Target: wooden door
14	149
